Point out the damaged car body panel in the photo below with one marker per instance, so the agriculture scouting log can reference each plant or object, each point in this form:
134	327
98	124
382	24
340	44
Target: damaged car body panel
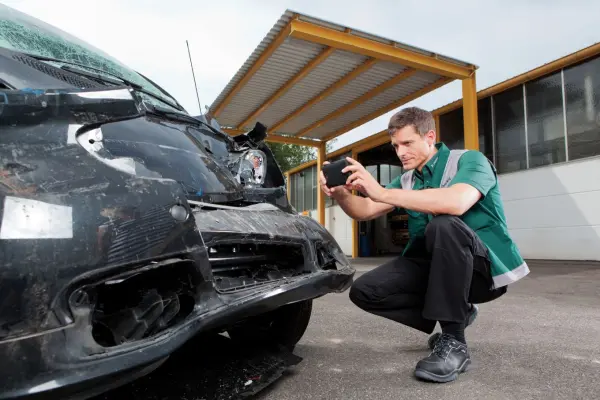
127	226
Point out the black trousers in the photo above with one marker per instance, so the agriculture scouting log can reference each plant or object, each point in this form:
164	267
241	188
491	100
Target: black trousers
435	281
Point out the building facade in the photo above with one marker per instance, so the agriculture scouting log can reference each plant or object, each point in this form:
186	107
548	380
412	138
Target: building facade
542	131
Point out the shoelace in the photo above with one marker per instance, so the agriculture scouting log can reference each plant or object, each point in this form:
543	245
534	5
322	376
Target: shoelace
442	347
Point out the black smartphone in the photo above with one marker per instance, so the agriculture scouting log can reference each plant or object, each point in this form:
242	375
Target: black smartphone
333	173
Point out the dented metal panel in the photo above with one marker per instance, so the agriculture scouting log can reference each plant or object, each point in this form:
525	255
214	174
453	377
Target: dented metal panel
111	208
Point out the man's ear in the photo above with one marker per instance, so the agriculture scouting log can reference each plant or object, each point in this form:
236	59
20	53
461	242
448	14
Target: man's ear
431	137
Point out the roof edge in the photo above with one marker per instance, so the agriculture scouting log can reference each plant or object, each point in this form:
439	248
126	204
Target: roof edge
535	73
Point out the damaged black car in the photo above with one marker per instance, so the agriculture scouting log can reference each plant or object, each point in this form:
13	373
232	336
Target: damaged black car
128	226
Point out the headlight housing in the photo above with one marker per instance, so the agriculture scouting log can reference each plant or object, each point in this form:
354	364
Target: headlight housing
250	168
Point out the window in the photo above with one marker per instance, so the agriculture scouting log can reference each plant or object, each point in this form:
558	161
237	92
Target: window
372	169
509	120
395	171
582	90
308	175
545	121
484	114
384	174
452	129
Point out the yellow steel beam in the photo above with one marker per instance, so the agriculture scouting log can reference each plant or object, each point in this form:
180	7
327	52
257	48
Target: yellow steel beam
279	39
327	92
288	85
437	84
347	41
471	129
320	195
356	102
302	167
288	185
293	140
278	138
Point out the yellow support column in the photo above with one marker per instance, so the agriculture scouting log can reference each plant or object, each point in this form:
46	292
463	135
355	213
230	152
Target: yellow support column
288	186
437	129
354	222
320	195
469	89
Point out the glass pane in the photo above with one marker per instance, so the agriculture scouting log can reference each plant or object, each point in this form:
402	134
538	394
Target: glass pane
308	174
582	87
372	169
451	129
484	113
384	174
510	130
395	171
545	121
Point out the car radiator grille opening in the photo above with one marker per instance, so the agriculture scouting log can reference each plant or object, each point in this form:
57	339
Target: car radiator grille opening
238	267
143	304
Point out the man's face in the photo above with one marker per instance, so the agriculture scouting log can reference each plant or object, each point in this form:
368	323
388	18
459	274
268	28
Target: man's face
412	149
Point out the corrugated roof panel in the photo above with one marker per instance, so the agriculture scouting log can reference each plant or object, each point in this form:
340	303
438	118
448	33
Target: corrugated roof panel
336	66
267	40
373	77
391	95
284	63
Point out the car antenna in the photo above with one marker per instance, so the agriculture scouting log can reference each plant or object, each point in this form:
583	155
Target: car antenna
194	76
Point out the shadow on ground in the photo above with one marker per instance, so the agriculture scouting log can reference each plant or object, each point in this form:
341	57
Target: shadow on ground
209	367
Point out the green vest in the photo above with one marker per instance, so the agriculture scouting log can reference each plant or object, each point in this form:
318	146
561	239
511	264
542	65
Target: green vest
486	217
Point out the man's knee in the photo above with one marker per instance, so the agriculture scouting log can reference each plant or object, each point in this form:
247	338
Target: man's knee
442	223
359	293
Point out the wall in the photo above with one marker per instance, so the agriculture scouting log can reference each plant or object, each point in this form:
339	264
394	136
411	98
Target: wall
339	225
553	212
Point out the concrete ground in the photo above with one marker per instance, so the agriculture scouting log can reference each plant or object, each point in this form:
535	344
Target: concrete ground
540	341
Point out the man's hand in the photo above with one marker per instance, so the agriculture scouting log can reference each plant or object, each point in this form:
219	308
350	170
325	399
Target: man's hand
361	180
330	192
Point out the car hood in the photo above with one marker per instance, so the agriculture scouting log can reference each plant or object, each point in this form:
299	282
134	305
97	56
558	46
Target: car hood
115	128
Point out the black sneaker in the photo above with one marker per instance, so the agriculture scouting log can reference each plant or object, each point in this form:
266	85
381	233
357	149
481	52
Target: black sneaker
470	319
448	359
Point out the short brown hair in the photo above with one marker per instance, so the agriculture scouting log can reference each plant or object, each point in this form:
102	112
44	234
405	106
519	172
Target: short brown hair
416	117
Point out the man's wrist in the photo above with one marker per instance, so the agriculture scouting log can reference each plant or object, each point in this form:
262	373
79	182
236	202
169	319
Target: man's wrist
382	195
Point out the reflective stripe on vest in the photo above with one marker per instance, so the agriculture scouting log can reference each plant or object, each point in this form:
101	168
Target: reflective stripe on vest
450	170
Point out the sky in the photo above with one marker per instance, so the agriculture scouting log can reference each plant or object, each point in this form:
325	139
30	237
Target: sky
503	37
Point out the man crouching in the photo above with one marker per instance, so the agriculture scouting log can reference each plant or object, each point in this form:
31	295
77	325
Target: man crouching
459	253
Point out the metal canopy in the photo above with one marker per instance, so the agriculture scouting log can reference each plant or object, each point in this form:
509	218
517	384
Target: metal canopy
312	79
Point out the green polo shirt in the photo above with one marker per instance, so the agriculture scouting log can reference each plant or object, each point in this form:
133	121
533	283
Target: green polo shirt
486	217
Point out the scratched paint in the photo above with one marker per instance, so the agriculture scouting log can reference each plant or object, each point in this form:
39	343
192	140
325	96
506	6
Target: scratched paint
106	182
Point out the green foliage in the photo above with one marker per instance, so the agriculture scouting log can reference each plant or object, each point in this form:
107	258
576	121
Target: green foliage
289	156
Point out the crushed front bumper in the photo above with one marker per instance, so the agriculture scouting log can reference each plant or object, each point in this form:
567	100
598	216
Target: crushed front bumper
67	362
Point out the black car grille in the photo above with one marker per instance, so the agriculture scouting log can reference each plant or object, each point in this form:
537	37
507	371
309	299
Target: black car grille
139	235
240	266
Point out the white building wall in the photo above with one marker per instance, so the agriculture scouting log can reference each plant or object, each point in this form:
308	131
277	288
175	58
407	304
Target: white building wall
553	212
339	225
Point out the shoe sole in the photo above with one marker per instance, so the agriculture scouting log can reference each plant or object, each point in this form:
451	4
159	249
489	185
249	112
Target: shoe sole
452	376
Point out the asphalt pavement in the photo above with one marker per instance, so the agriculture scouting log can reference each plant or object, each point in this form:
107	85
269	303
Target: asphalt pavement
539	341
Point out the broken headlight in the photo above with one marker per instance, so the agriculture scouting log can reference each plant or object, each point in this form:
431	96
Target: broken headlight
250	168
